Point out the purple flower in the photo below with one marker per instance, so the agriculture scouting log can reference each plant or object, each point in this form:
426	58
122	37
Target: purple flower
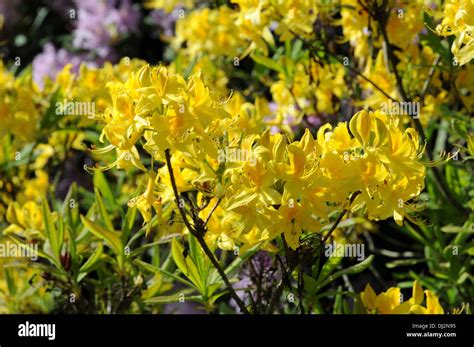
101	22
165	21
51	61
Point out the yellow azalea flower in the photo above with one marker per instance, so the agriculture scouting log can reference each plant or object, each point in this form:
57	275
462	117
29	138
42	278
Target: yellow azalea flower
19	105
380	160
253	22
210	31
26	220
458	20
296	17
165	110
330	83
391	301
45	152
148	200
378	73
354	21
405	23
34	189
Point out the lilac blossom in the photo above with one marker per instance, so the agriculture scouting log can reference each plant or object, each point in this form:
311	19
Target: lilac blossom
51	61
165	21
101	22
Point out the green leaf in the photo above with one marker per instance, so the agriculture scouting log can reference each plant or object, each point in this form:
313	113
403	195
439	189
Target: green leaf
112	239
354	269
454	229
10	283
267	62
103	211
70	207
166	299
92	261
128	222
177	251
187	73
310	285
72	248
196	255
101	183
338	302
186	264
54	236
41	254
332	262
154	269
51	117
403	262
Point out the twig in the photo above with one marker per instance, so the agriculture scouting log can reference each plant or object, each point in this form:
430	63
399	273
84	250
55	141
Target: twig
291	268
199	235
430	77
339	218
361	75
212	211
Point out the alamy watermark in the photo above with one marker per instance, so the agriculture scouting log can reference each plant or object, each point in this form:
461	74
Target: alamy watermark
410	108
237	155
14	250
75	108
352	250
28	329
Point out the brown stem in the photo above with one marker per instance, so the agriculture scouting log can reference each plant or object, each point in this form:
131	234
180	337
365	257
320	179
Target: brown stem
361	75
212	211
198	234
339	218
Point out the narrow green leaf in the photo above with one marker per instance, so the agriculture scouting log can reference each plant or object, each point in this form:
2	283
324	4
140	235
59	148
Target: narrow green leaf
102	210
329	266
93	260
268	62
354	269
54	239
186	264
112	239
101	183
154	269
166	299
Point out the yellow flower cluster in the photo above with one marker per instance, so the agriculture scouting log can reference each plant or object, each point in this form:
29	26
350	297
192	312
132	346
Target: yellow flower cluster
209	31
292	187
316	89
405	21
168	111
391	301
19	105
458	20
235	33
267	184
22	104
